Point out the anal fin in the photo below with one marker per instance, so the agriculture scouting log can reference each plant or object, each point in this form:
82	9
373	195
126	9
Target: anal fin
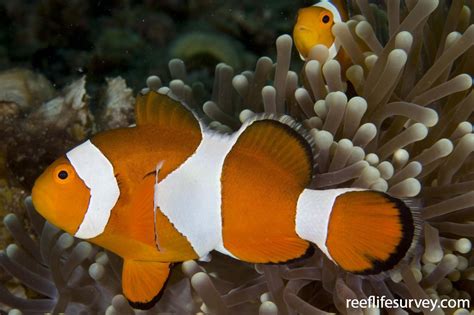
143	282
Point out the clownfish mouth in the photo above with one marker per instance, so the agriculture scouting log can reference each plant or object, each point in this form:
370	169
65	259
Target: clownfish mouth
304	29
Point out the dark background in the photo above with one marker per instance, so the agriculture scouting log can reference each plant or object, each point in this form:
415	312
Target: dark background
134	39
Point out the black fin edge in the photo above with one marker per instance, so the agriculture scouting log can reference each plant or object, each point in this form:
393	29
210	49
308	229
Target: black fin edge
411	229
175	98
295	129
308	253
148	305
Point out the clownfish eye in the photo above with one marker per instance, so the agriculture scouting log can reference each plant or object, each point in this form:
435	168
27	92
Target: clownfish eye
63	173
326	19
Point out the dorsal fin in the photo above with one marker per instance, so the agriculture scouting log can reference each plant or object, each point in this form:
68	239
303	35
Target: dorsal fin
263	175
283	140
163	110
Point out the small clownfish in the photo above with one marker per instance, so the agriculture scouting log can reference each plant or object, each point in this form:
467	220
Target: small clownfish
314	24
169	190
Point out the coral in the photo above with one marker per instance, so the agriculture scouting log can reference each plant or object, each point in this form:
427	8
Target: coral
38	123
24	89
38	127
398	120
69	112
116	105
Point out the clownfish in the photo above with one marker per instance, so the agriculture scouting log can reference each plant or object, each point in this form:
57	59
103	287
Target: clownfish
313	27
169	190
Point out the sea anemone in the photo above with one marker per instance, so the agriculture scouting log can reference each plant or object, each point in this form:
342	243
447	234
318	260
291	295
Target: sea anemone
397	120
404	129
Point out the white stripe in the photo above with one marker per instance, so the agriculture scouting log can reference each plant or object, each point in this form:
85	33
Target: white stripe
313	212
330	7
191	195
98	174
333	50
155	204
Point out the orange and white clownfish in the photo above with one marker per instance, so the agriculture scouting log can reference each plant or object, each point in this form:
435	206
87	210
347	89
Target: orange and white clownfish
169	190
313	27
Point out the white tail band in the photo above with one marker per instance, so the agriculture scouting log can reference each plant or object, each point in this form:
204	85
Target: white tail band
313	212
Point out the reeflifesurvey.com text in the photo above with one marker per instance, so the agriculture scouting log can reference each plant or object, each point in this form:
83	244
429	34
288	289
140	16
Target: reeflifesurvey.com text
382	302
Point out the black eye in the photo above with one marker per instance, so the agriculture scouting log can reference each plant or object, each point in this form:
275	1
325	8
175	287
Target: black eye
63	174
326	19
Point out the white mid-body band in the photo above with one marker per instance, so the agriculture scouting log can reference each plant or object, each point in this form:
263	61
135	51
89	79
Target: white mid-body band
191	195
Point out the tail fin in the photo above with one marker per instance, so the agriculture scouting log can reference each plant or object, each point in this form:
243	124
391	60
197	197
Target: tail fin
364	232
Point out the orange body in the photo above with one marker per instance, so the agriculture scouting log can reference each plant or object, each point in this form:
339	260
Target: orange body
256	197
314	27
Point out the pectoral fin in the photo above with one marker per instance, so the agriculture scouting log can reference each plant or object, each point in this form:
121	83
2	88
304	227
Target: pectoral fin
143	282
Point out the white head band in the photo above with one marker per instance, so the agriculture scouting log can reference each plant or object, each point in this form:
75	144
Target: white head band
333	50
97	172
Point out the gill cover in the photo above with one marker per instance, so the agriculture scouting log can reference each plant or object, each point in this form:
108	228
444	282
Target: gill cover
78	193
61	196
313	27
